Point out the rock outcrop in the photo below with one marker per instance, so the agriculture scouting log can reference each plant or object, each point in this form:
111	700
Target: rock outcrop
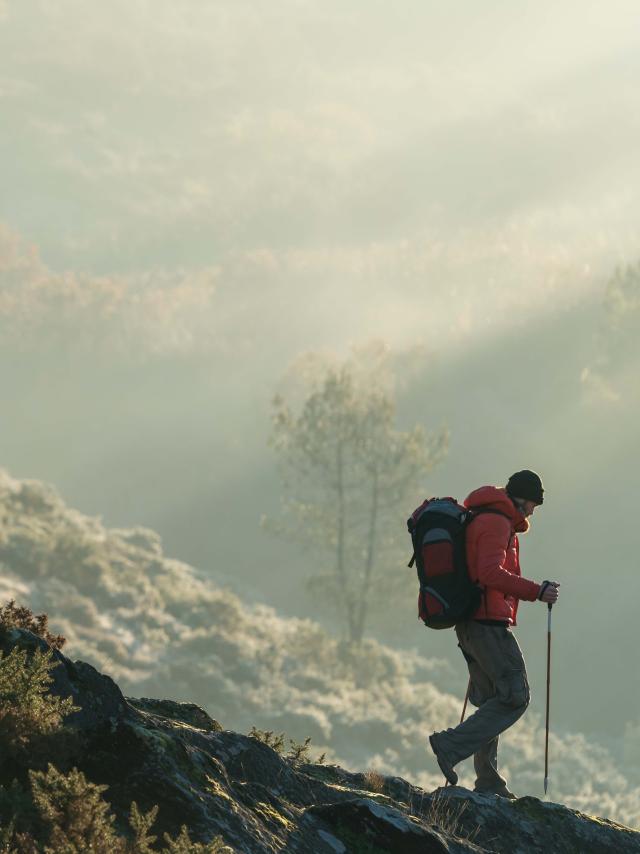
221	783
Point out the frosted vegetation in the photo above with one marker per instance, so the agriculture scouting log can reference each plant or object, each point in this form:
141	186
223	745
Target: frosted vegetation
141	315
160	629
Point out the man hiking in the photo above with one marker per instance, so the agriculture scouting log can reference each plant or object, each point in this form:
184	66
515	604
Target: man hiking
498	684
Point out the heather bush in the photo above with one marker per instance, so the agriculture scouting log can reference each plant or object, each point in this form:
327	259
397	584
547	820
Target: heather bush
73	812
66	814
14	616
298	753
30	718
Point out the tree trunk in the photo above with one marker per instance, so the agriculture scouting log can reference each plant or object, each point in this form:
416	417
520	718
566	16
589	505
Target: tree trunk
341	571
363	602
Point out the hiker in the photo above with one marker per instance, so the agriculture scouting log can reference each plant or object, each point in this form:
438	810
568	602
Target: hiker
498	684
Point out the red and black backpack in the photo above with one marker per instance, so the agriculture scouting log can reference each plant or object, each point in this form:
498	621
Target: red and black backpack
438	533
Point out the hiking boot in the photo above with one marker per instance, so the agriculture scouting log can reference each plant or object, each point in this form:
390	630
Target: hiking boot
502	792
445	766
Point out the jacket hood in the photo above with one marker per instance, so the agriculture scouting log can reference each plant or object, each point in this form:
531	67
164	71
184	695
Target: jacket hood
496	498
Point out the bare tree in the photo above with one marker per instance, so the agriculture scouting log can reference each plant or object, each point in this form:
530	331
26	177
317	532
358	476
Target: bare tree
350	479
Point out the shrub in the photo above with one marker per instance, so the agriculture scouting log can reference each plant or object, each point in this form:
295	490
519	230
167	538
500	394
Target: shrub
14	616
268	737
17	813
27	711
72	809
298	752
67	814
141	825
182	844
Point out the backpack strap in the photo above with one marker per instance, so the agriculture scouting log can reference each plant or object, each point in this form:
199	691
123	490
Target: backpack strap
475	513
470	518
485	510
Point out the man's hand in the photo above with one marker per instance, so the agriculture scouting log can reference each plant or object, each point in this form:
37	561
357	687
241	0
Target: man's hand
549	592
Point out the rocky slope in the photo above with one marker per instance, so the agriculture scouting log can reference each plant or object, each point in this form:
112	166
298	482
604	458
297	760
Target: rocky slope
223	784
161	629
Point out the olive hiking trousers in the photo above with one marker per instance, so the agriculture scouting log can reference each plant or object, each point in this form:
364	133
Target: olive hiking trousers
499	689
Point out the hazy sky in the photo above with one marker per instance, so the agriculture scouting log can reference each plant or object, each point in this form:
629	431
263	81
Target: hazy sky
247	179
431	164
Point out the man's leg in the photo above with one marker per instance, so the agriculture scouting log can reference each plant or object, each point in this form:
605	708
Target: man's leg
495	654
485	762
485	759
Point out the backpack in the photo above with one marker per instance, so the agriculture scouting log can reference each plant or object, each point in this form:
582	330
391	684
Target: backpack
438	533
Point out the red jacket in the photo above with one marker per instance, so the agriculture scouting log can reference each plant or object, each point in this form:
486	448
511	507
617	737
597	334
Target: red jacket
493	555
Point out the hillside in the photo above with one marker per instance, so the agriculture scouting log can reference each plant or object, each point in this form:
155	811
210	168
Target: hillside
162	630
215	791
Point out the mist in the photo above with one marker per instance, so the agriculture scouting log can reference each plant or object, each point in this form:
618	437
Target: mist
195	194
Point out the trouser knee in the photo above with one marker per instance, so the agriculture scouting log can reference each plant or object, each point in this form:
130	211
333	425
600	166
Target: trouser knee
513	690
521	707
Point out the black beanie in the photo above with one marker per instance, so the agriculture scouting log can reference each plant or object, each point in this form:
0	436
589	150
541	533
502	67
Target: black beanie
526	484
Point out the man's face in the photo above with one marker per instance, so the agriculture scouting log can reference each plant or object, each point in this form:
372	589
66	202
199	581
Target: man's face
526	507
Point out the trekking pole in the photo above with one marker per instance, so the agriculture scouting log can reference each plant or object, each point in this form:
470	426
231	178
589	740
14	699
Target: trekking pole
546	739
464	709
466	700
